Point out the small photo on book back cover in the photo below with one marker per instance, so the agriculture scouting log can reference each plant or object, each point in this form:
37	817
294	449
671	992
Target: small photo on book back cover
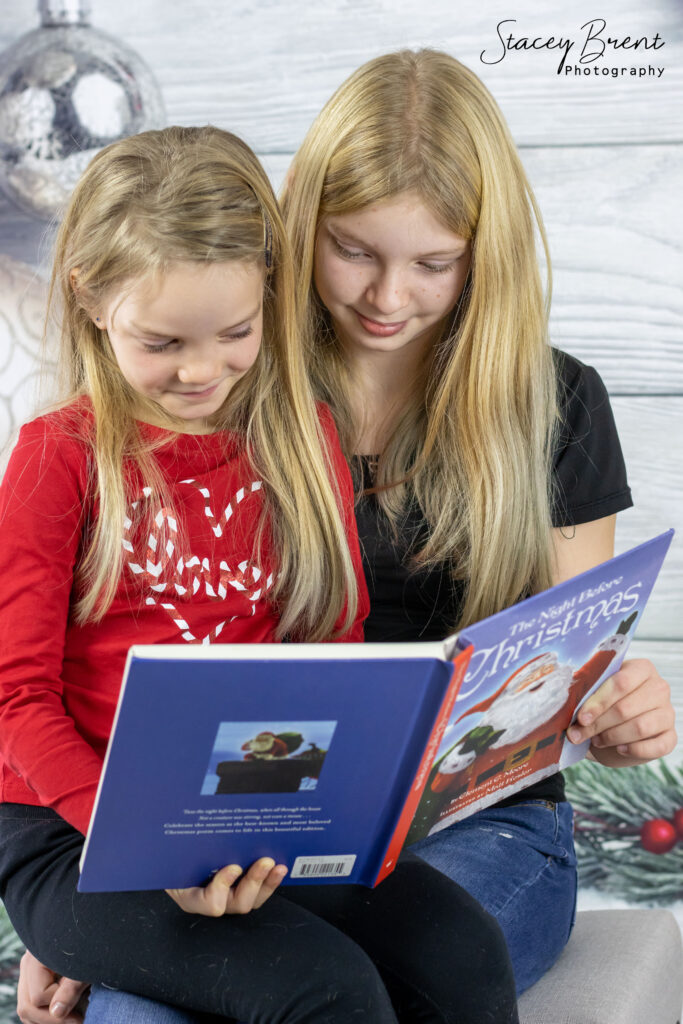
267	757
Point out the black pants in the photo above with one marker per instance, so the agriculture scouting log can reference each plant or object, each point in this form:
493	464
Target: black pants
417	948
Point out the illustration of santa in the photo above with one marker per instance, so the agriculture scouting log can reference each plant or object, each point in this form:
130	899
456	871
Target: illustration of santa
526	716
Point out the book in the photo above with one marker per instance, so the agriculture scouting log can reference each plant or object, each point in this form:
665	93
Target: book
331	757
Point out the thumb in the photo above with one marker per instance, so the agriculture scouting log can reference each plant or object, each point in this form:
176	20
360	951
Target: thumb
66	996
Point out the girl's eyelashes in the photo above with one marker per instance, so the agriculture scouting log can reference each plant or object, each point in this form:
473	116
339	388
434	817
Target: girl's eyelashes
347	254
356	254
439	268
163	346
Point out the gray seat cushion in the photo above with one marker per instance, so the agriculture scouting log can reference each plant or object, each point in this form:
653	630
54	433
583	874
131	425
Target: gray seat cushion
619	967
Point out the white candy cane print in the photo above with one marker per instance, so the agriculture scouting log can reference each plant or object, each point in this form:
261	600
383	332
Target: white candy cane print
161	575
219	526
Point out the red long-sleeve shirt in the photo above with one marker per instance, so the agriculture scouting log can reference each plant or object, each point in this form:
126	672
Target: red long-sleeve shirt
190	578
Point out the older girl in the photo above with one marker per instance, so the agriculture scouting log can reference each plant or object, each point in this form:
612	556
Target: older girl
487	464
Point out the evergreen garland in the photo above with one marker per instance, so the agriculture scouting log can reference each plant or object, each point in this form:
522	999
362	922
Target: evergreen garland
628	834
11	949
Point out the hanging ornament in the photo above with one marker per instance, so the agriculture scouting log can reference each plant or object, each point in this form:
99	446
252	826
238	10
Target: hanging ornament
658	836
66	90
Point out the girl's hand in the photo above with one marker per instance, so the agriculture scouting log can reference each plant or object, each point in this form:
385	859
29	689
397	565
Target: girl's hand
225	895
629	719
44	997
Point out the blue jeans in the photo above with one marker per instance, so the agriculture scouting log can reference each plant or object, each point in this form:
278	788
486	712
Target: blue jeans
109	1006
517	861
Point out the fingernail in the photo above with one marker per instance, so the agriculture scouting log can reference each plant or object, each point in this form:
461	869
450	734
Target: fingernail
622	749
574	735
587	718
59	1010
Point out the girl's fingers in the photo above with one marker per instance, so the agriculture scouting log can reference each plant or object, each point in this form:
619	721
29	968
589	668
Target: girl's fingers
43	998
209	900
223	896
648	749
245	896
271	883
36	981
66	998
632	693
644	727
638	752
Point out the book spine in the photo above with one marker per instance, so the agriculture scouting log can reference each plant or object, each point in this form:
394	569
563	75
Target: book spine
397	839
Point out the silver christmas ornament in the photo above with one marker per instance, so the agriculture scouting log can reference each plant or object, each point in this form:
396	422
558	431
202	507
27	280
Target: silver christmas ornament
67	90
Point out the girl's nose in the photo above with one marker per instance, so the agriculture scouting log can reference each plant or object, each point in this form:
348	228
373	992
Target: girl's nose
387	292
204	370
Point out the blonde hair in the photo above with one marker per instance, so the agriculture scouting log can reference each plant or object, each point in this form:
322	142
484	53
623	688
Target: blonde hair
199	195
476	440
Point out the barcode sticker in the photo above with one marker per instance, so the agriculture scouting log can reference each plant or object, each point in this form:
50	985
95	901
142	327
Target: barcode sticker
338	866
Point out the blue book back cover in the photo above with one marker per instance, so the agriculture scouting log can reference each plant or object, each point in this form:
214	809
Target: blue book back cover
217	761
532	667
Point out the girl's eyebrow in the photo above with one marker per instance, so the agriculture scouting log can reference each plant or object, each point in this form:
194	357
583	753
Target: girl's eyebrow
241	323
443	253
347	236
451	253
225	330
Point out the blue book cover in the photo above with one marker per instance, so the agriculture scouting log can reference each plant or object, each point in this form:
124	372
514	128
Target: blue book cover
306	753
533	666
329	757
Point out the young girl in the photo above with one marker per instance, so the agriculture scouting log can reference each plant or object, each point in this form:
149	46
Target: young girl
187	491
492	461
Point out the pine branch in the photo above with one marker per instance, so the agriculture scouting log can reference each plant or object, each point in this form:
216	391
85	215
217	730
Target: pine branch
611	807
11	949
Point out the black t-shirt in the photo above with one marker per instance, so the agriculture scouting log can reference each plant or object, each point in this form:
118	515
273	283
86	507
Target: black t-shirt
590	482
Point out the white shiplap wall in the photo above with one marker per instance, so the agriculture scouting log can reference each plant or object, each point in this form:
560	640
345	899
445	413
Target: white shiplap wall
604	154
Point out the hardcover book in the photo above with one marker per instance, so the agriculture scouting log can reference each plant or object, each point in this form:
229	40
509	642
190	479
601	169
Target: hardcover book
331	757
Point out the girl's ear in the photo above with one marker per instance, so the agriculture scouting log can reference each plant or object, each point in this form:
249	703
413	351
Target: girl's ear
73	280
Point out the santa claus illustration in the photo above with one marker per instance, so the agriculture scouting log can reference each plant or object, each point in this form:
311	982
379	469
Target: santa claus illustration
270	765
526	716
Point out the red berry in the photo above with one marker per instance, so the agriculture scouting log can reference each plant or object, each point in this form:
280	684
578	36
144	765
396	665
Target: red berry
678	823
658	836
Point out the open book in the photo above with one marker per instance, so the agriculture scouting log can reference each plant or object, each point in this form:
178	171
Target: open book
329	757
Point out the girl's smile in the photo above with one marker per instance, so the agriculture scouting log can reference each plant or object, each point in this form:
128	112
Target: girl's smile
183	340
199	394
389	273
381	330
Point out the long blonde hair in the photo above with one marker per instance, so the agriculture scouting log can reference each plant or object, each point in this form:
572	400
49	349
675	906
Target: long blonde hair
199	195
475	441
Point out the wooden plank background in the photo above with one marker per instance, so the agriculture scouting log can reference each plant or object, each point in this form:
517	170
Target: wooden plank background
266	67
604	154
